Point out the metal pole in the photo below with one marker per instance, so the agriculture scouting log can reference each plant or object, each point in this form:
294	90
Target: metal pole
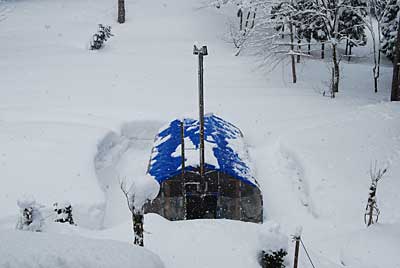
201	114
201	52
183	167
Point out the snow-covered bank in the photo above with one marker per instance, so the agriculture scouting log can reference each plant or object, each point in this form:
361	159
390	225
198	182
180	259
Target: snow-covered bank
19	249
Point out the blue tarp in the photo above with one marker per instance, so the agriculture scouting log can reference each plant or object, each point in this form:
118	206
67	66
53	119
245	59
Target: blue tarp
229	154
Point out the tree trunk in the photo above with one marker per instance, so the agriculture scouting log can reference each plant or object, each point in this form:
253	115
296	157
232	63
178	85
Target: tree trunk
322	50
335	82
247	20
240	15
309	48
294	78
121	11
137	218
350	52
370	215
379	59
347	47
332	79
394	96
254	18
299	48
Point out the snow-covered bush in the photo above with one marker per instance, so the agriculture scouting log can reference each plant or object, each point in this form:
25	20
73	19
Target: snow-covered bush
102	35
372	212
142	190
273	259
274	247
63	212
30	218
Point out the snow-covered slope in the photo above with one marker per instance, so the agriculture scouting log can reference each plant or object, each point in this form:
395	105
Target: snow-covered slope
37	250
311	154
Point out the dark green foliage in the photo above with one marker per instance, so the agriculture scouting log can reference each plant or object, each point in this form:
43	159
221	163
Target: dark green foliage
273	259
279	13
102	35
389	28
351	23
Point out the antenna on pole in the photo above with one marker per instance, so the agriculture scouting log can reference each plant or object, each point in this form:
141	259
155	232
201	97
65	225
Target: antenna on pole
201	52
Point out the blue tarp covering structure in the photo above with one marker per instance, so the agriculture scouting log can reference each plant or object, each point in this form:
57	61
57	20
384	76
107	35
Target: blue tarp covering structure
225	150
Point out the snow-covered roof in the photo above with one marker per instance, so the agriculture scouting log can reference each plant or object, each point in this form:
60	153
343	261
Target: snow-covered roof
224	149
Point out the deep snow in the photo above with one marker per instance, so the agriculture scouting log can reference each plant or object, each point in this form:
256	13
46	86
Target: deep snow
20	249
311	154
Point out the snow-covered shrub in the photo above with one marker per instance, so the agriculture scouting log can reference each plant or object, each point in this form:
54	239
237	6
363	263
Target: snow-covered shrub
30	218
372	212
274	247
142	190
273	259
63	212
102	35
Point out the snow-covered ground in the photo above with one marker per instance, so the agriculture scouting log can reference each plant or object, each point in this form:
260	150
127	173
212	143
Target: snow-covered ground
59	102
49	250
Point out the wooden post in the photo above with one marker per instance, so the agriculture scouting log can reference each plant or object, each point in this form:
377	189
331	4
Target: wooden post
296	251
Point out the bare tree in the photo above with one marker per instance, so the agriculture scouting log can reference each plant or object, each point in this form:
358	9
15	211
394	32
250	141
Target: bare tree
137	215
272	35
372	212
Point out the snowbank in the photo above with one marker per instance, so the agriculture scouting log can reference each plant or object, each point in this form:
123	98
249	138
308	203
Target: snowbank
204	243
373	247
19	249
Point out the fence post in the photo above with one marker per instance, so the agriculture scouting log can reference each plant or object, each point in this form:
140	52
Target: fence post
296	251
296	238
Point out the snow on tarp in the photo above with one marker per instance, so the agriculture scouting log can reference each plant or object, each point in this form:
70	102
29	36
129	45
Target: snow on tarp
224	149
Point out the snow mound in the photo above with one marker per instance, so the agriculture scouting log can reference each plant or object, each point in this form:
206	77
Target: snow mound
122	157
31	250
374	247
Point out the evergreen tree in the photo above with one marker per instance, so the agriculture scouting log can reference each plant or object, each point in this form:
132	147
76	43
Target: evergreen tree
320	33
389	28
351	24
273	259
102	35
305	26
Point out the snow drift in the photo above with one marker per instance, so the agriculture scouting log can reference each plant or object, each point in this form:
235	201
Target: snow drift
21	249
